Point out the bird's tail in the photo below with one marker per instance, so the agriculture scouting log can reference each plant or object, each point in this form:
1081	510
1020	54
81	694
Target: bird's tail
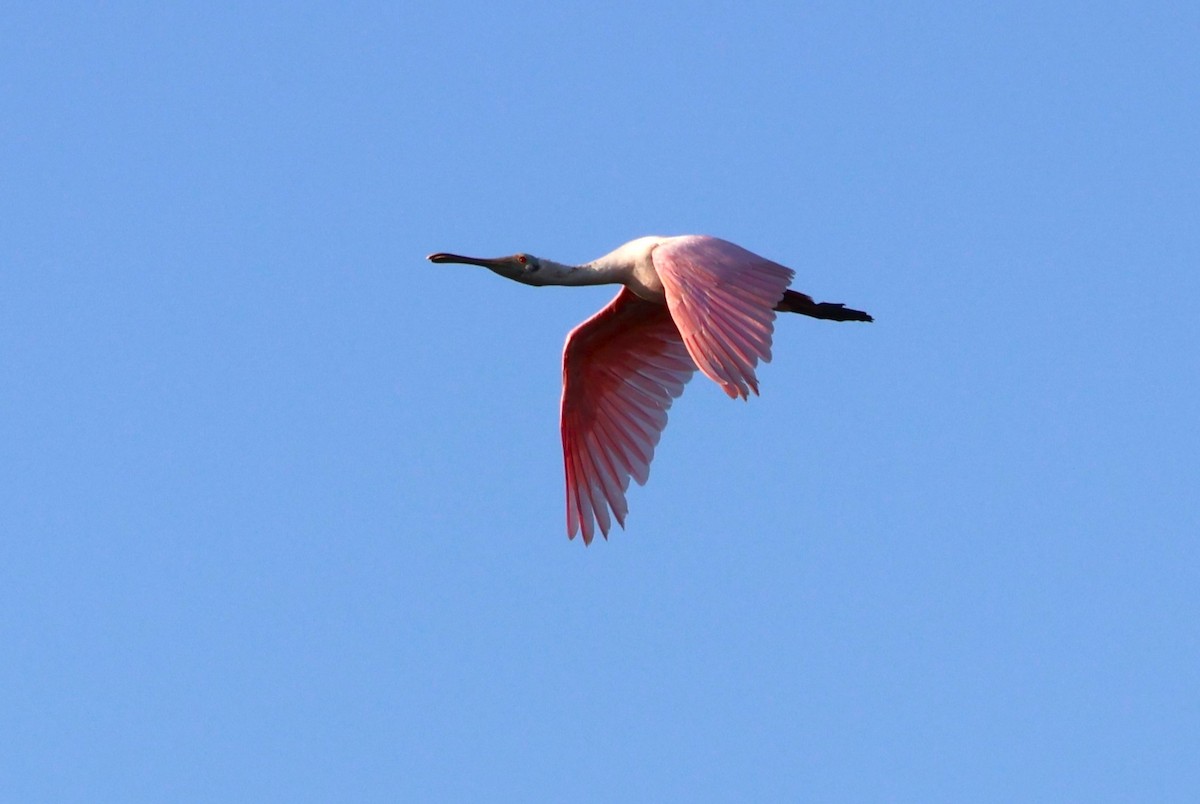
795	302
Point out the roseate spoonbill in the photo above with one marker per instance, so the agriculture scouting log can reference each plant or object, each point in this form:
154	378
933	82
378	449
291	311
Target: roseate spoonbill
688	302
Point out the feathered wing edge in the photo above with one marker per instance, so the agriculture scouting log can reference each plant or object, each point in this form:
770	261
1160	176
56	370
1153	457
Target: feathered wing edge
622	369
722	298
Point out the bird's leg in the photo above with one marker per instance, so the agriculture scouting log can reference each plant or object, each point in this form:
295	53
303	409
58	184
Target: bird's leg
796	302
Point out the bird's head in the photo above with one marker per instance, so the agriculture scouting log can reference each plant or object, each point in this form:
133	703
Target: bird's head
524	268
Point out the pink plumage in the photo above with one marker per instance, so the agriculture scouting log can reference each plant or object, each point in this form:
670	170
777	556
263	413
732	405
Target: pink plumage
723	299
622	368
688	302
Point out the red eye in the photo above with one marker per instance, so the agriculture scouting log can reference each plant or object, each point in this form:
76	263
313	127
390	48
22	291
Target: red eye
521	258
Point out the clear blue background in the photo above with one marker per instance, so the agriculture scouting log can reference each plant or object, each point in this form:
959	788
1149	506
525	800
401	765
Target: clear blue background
282	508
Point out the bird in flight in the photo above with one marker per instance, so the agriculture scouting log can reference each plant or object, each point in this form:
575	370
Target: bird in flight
687	302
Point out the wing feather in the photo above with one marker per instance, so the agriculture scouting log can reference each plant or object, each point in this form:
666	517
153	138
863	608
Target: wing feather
622	369
722	298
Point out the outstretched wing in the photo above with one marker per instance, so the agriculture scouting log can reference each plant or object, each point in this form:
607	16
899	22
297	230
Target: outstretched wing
722	298
622	368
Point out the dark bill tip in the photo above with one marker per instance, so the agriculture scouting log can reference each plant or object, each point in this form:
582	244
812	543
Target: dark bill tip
441	256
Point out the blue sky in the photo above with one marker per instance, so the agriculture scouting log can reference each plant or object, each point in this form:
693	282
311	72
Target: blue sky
283	509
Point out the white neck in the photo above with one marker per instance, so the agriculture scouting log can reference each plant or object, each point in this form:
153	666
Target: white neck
556	273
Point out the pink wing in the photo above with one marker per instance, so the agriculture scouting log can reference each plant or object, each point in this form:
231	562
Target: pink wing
722	298
622	368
